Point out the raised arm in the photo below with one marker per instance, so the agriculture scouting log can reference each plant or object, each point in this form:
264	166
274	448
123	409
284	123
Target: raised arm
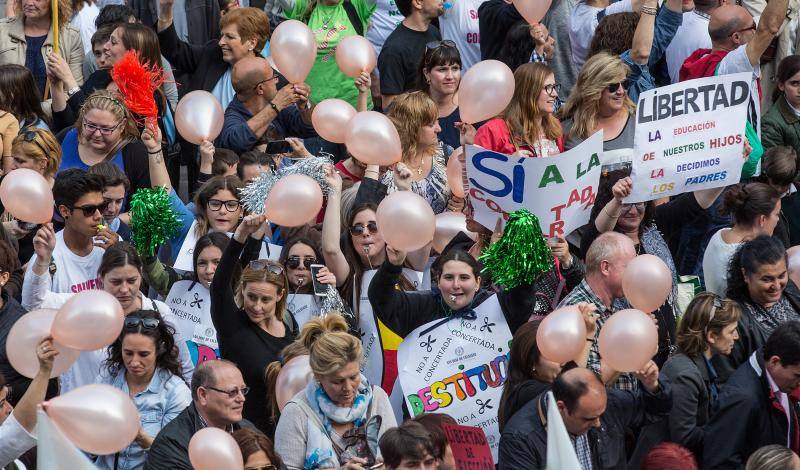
769	25
606	219
643	37
37	281
25	411
331	228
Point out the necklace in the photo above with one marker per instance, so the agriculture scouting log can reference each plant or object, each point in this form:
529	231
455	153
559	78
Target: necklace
419	168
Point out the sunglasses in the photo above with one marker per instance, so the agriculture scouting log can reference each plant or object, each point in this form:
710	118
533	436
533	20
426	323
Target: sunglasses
639	206
293	262
625	84
751	28
264	265
232	393
134	323
437	44
89	210
91	128
359	229
231	205
30	137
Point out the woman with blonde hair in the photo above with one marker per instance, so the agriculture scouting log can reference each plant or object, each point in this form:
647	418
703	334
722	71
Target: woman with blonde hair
252	323
527	126
416	118
337	420
599	101
38	150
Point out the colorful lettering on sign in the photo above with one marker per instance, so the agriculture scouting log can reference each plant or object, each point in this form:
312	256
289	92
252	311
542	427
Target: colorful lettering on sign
201	353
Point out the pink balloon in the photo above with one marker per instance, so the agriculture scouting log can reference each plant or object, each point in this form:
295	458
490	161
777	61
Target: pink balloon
372	138
27	196
89	320
628	339
794	264
354	55
330	118
455	177
406	221
561	336
214	449
448	224
485	91
293	377
647	282
293	49
532	10
99	419
293	201
23	338
199	116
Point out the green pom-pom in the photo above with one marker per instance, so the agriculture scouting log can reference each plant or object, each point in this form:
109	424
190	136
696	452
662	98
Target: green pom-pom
153	220
521	255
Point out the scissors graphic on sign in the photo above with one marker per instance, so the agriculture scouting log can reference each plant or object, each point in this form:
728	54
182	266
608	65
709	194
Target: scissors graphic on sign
197	302
486	325
428	345
483	406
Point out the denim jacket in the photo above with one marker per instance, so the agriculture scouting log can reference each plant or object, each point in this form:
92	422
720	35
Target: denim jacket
164	399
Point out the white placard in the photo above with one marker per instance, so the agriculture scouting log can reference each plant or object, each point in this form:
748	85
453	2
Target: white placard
303	307
190	302
184	260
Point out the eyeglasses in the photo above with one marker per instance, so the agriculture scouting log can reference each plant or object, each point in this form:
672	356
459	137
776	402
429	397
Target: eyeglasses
91	128
274	77
7	388
359	229
232	393
89	210
550	88
133	323
265	265
750	28
625	84
639	206
231	205
293	262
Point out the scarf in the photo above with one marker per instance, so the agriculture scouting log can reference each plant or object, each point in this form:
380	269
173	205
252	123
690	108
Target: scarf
319	447
701	63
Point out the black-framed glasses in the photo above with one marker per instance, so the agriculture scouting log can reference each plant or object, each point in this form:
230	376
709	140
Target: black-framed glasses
625	84
91	128
274	77
266	265
232	392
8	390
750	28
551	87
90	209
231	205
293	262
359	229
134	323
437	44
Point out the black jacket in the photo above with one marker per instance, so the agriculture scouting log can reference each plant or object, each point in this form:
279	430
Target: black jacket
690	409
523	443
747	417
170	449
495	18
203	64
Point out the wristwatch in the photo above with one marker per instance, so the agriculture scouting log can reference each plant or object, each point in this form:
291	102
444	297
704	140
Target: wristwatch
72	91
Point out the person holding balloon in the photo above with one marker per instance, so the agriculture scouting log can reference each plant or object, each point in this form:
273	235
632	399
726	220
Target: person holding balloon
708	328
143	362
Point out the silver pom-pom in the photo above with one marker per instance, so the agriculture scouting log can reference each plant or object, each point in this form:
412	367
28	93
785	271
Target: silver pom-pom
254	194
332	303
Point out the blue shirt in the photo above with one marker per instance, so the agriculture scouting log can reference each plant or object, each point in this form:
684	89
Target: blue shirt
164	398
71	159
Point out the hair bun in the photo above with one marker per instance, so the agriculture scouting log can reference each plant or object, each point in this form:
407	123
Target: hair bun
316	327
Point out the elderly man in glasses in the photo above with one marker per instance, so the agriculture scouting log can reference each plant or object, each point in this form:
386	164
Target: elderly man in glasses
218	395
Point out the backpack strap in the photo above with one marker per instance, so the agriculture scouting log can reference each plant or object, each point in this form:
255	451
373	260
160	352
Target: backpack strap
352	15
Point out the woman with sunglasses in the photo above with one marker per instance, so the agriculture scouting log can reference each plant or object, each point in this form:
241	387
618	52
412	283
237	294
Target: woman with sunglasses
649	226
527	126
298	255
257	450
252	322
120	273
707	329
143	362
439	76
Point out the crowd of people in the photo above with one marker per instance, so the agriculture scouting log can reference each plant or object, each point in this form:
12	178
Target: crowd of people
215	313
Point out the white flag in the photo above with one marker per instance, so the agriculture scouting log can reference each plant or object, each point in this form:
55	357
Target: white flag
54	450
560	452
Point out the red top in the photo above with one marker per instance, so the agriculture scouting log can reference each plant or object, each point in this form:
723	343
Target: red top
494	135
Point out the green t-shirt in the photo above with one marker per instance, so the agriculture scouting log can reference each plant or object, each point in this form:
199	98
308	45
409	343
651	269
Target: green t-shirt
330	25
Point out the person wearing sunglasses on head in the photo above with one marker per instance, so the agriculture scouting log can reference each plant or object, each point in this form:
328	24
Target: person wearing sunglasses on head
119	274
252	322
143	363
257	450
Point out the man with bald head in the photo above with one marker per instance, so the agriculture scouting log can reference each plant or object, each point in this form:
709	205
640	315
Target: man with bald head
261	113
606	260
218	394
596	419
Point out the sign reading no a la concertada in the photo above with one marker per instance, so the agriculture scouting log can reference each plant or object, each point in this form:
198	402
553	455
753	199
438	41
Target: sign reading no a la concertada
690	136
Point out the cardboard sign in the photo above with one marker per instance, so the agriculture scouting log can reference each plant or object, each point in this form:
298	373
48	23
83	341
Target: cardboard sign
470	448
458	366
183	261
690	136
559	190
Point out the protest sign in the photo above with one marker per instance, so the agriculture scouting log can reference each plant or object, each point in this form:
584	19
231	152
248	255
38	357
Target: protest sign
690	136
559	190
190	302
470	449
303	307
184	260
458	366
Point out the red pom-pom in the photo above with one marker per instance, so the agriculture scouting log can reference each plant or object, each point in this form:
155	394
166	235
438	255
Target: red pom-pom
137	83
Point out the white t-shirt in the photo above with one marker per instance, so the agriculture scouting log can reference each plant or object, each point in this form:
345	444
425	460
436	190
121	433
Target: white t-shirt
83	21
582	23
715	263
14	440
460	25
382	23
73	273
692	34
735	62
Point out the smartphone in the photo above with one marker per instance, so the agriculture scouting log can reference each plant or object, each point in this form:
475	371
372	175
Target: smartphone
320	289
278	146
